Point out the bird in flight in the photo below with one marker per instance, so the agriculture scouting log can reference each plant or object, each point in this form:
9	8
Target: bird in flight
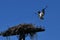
41	13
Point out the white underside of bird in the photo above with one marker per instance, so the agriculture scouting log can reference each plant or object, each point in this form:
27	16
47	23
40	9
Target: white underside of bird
41	15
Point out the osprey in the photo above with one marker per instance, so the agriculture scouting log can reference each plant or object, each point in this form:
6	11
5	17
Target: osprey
41	13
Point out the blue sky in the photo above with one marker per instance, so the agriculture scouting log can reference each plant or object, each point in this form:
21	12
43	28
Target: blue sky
13	12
